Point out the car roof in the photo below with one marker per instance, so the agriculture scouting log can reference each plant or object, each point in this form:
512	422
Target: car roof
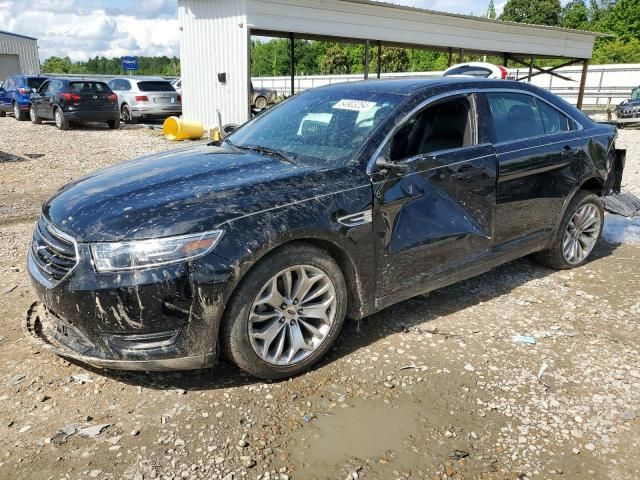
411	85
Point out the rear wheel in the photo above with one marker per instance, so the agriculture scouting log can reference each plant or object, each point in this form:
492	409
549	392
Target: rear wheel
578	233
286	313
35	119
61	122
18	113
126	115
3	113
114	124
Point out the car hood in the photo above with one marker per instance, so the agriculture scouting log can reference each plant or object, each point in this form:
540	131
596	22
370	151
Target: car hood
183	191
629	103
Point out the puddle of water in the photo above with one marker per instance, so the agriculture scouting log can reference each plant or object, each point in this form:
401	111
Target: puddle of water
365	429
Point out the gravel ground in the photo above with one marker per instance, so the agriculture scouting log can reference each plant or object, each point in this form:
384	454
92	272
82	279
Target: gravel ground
432	388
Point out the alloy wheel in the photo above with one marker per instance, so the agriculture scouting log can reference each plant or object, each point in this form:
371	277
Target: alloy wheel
32	114
126	114
58	118
16	111
582	234
292	315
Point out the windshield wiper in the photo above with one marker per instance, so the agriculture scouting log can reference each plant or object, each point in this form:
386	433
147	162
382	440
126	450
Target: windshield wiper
269	151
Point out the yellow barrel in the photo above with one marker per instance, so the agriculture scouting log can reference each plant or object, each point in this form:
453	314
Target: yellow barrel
175	129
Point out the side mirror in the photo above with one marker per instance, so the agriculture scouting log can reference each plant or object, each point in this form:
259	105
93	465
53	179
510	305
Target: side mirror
34	90
383	163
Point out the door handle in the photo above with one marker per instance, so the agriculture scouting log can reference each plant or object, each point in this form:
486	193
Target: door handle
569	150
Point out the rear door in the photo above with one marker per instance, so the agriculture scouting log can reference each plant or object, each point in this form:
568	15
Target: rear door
437	214
539	156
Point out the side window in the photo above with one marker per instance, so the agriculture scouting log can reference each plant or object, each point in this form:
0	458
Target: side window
44	87
113	84
635	94
445	125
515	116
552	120
125	85
8	85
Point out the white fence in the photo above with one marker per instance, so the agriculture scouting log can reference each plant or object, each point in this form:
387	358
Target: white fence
604	82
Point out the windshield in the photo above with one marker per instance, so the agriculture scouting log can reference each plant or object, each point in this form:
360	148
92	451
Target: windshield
635	95
318	126
35	82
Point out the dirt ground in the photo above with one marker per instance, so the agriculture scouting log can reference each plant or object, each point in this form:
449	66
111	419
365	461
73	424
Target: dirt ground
432	388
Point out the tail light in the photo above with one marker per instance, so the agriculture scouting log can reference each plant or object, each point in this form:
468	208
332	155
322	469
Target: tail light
24	91
503	73
112	97
142	98
71	97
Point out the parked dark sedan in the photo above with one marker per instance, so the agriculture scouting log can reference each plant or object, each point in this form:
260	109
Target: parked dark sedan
71	100
338	202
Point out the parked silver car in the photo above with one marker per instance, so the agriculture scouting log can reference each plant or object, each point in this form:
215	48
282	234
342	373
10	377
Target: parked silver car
146	97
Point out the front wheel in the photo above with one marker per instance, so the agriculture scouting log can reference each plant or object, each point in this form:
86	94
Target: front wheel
286	313
579	231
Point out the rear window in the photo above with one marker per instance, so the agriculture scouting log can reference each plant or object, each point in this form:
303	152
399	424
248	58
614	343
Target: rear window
35	82
470	71
89	87
156	86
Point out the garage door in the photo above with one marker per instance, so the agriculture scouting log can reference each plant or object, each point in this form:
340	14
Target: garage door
8	64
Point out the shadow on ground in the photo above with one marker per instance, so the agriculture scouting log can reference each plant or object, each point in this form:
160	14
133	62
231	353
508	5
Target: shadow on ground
401	317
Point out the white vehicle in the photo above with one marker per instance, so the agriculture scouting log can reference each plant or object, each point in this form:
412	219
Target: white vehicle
477	69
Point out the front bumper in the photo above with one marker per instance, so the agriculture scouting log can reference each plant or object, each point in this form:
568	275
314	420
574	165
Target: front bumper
155	319
39	326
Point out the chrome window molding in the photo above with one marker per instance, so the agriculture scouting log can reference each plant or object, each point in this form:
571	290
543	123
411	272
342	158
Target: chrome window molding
465	91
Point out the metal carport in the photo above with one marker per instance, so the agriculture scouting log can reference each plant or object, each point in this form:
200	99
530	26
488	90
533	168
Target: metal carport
215	43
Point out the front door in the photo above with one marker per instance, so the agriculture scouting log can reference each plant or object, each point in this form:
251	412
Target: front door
5	97
437	212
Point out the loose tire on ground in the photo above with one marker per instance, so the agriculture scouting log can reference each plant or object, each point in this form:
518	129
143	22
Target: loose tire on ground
261	103
235	338
555	256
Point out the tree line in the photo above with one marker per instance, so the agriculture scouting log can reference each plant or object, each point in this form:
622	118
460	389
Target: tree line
620	19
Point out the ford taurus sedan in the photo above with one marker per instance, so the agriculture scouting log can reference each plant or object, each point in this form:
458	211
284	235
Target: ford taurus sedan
336	203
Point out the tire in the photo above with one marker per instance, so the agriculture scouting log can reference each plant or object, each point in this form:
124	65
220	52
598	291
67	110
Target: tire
242	348
126	115
585	236
18	114
61	122
35	119
261	103
3	114
114	124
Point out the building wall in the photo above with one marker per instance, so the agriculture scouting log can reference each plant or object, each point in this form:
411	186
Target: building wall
25	48
213	40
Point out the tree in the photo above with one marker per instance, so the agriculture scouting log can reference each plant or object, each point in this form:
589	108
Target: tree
491	11
575	14
336	61
623	19
538	12
617	51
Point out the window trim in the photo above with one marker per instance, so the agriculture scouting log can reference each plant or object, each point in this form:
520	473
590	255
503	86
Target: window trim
371	163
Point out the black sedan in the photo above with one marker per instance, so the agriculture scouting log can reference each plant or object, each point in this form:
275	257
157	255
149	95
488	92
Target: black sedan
71	100
338	202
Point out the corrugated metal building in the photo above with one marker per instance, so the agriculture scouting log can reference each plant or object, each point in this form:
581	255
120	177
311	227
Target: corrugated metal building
216	35
18	54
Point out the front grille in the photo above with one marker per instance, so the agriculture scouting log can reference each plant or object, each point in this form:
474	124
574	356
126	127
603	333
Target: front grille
53	251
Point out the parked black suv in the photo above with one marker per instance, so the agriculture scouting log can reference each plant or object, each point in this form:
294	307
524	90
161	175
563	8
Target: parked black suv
338	202
72	100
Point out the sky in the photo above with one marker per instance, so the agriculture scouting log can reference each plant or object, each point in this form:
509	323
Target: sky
82	29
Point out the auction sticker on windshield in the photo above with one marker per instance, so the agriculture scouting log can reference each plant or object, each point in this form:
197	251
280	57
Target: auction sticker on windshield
355	105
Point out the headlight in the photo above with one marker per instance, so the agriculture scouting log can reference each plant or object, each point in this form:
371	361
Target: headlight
114	256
